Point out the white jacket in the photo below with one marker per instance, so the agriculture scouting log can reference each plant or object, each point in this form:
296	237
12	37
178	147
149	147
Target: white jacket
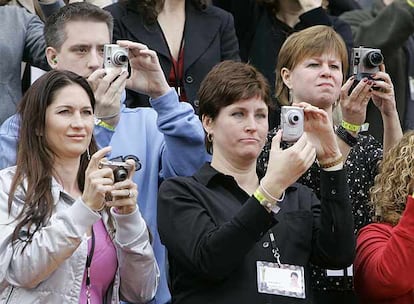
51	268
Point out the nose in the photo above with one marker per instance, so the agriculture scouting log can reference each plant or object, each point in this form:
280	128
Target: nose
95	60
77	121
326	70
251	123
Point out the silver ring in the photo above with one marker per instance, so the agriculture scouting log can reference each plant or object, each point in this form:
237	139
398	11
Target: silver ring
130	194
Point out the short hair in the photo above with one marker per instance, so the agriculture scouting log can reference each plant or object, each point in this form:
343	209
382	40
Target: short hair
55	26
394	181
34	156
313	41
228	82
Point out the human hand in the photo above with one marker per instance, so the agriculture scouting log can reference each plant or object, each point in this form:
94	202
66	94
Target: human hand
147	76
125	193
97	181
286	166
320	132
384	95
108	90
354	104
308	5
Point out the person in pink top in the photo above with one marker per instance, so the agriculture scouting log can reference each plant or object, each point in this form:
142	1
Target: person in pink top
384	263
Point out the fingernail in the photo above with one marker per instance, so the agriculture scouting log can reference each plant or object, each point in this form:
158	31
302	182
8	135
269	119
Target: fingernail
365	79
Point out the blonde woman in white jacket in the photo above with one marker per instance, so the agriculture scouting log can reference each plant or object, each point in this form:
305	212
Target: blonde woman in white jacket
70	232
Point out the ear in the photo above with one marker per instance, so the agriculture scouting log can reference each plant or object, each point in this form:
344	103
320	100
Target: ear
51	55
208	124
285	74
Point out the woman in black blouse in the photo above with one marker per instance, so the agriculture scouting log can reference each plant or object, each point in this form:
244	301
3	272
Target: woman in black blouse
314	73
236	236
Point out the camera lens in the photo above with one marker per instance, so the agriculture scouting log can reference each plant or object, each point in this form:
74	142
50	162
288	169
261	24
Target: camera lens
373	59
120	58
293	118
120	174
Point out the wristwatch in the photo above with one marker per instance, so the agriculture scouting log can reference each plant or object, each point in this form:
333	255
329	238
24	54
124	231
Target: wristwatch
346	137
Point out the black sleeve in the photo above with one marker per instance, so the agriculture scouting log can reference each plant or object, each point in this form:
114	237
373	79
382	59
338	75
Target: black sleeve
181	210
334	240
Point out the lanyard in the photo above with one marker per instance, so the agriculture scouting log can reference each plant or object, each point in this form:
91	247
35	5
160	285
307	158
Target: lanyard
178	81
275	249
88	269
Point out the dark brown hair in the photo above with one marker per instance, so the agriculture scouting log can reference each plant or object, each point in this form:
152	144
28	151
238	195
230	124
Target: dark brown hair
34	158
150	9
228	82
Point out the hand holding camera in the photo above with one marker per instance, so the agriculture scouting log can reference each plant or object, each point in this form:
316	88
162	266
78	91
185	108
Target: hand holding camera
316	125
103	177
147	76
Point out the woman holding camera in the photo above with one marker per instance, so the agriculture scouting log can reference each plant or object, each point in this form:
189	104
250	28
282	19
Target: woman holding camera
235	235
62	240
314	73
385	258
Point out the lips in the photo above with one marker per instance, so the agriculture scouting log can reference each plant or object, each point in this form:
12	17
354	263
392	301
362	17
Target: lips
77	136
326	84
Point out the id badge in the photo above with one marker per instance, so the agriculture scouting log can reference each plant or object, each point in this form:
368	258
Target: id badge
281	279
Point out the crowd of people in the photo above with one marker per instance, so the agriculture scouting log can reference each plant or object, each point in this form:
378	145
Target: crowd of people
170	179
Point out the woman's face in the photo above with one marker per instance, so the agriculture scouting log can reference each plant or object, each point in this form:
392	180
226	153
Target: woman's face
69	122
316	80
239	131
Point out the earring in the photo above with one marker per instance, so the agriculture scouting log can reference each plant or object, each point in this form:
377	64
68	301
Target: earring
209	137
290	97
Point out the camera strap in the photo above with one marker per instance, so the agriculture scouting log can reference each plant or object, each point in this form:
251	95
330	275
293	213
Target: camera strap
88	268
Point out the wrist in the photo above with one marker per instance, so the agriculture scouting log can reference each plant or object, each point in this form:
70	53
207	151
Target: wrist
160	91
125	209
350	138
335	162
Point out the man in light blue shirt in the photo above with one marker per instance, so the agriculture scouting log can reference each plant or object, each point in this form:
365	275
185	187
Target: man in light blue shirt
165	140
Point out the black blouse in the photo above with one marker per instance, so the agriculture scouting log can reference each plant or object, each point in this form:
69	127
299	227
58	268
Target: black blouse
215	232
361	165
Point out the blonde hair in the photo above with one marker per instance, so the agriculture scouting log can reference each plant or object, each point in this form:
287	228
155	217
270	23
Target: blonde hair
394	181
313	41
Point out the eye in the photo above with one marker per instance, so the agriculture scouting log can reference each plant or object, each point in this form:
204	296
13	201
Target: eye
63	111
88	112
261	115
101	50
237	114
335	66
313	65
81	50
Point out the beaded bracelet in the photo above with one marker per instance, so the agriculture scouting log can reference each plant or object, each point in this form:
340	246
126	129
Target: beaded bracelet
332	163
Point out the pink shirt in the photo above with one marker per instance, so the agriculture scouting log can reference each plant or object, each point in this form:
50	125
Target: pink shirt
103	266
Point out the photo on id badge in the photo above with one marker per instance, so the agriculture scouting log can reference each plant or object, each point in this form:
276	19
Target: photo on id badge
284	280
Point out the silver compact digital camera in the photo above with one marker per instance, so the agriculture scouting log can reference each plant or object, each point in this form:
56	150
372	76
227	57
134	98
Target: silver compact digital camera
120	169
365	62
115	56
291	122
